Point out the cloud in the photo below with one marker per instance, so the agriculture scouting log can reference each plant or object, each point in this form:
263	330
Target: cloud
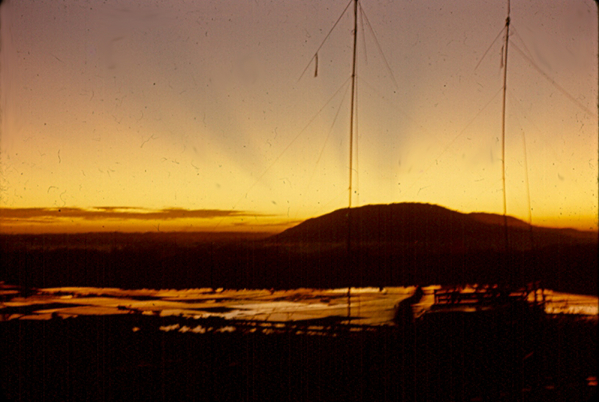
49	215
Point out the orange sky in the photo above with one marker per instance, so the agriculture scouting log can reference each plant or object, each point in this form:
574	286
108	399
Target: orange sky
141	116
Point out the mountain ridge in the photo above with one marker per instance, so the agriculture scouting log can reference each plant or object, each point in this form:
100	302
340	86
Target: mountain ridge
392	245
433	226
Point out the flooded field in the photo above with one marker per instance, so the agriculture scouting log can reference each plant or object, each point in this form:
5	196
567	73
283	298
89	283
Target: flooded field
365	306
99	344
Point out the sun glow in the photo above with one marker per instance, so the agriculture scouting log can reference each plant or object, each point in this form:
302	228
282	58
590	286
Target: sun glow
212	116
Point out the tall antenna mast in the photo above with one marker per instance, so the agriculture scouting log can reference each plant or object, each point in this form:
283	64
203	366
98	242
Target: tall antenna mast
597	2
352	120
505	54
351	150
352	107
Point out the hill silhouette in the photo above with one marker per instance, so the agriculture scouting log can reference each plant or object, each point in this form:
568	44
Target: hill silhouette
427	228
392	245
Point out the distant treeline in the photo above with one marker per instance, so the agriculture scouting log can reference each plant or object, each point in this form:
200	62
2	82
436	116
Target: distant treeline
260	264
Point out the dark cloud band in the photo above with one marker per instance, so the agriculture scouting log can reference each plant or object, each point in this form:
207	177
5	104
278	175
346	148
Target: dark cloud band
115	213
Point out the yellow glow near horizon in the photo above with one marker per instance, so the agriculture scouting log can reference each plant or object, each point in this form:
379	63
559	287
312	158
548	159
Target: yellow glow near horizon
178	225
199	107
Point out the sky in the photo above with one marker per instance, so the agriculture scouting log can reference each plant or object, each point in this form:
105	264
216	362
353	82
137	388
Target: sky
214	115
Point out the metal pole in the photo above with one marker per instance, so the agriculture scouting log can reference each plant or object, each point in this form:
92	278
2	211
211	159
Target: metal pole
351	146
507	41
597	2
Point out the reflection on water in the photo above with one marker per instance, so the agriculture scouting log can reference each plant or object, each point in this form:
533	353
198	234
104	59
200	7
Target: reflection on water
369	306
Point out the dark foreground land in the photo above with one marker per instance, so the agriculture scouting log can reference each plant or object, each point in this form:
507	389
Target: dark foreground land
391	245
159	261
454	357
441	357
